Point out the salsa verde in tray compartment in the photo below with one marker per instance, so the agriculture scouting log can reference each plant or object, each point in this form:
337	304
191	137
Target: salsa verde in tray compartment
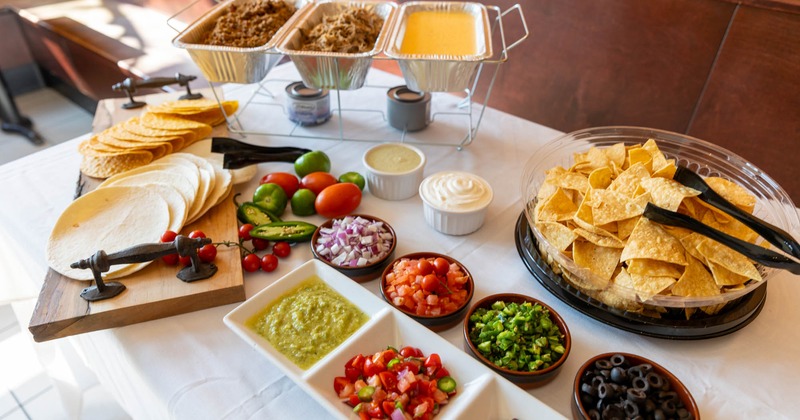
479	391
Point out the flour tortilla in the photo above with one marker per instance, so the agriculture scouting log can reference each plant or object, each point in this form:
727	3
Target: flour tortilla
203	149
207	180
109	219
185	180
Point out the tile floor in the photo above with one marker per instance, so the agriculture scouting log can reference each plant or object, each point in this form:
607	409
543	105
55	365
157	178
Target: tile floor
27	389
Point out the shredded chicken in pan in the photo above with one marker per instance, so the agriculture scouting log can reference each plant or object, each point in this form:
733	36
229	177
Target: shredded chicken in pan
250	24
354	30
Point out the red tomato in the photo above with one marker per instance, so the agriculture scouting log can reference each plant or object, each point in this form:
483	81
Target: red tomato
433	361
197	234
185	261
287	181
269	263
409	351
168	236
338	200
388	407
424	266
373	368
171	259
374	409
260	244
357	361
339	384
251	263
389	381
430	282
281	249
207	253
244	231
441	265
318	181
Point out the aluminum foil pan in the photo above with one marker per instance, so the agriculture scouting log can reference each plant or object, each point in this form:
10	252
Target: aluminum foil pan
330	70
440	72
233	64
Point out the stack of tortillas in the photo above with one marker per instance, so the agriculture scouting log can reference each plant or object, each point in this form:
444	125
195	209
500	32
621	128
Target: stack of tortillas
136	207
162	129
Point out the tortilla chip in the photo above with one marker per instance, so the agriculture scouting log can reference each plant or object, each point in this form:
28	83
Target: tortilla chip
720	254
654	268
724	277
649	240
627	182
695	281
667	193
104	166
610	206
557	234
645	286
599	239
732	192
601	261
641	156
557	208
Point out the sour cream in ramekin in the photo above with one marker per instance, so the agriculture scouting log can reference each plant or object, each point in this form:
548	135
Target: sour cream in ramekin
455	202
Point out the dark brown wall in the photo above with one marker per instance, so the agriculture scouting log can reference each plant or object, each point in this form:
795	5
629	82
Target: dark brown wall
717	70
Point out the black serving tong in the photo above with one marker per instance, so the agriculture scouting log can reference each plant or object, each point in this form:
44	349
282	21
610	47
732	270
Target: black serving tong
772	234
238	154
756	253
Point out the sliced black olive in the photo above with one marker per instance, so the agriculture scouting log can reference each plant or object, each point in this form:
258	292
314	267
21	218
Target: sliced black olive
631	408
606	391
603	364
659	415
594	414
668	407
613	411
617	360
668	396
589	389
635	371
684	414
640	384
649	406
597	380
638	396
655	380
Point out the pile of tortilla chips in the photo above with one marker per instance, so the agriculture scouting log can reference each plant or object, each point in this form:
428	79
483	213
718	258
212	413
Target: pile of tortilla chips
160	130
592	213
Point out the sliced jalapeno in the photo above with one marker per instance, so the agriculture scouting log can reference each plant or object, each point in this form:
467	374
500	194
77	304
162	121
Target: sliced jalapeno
295	231
249	212
447	384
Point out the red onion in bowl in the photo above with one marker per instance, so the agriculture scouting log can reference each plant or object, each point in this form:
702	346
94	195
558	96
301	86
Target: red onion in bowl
354	241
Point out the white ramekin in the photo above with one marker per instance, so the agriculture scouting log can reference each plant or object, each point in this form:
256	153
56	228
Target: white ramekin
394	185
454	221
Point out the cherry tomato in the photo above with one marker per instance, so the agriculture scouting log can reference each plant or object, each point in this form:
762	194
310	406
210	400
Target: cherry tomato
430	282
244	231
424	267
171	259
260	244
441	265
409	351
318	181
251	263
269	263
197	234
185	261
207	253
281	249
287	181
338	200
168	236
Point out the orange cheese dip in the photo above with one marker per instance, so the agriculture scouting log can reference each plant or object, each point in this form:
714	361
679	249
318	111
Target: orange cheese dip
439	33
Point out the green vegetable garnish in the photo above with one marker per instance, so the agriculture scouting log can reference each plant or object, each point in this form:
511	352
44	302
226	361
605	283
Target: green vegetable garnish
519	337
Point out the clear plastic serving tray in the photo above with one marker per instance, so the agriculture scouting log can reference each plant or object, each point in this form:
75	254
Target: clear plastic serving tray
332	70
233	64
481	393
441	72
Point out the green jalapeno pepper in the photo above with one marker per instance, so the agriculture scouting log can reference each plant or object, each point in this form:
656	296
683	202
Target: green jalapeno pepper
295	231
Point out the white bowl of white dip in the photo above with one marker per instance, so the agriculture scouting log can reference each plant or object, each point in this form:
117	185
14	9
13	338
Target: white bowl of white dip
394	170
455	202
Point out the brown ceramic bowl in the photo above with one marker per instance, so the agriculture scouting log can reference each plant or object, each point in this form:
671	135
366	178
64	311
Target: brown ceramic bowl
522	379
358	274
581	403
439	322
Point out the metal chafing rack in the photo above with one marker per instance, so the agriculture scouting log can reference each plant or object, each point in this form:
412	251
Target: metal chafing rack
341	73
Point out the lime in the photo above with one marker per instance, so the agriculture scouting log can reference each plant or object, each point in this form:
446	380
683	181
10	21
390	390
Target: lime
353	177
316	161
303	202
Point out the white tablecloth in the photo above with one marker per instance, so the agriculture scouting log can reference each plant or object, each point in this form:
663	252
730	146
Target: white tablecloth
191	366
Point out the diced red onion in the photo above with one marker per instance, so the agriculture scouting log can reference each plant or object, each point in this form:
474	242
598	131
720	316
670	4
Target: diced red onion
354	242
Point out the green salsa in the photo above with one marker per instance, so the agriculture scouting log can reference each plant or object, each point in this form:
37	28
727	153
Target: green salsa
308	322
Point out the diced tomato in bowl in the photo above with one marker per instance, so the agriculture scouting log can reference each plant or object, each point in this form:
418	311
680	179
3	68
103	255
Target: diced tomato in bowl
406	383
432	288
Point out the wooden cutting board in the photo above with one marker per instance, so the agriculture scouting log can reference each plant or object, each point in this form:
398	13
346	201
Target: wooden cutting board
153	292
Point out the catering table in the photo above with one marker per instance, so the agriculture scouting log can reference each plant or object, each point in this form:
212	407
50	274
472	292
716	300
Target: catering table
191	366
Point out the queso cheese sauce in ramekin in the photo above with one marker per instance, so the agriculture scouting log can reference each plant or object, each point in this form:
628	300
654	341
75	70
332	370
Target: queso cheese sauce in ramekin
455	202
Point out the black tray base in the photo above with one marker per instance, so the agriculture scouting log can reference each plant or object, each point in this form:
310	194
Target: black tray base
733	317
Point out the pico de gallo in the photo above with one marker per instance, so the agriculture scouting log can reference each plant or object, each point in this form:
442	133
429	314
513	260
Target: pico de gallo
426	286
400	385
